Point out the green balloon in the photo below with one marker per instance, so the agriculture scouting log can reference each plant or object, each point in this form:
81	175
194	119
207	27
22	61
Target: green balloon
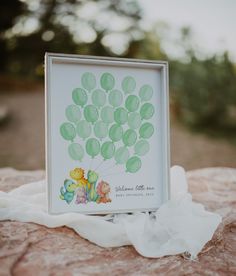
92	147
79	96
107	81
128	85
107	114
134	120
73	113
120	115
132	103
76	151
121	155
91	113
67	131
107	150
145	93
141	147
100	129
133	164
99	98
83	129
115	98
88	81
147	111
115	132
129	138
146	130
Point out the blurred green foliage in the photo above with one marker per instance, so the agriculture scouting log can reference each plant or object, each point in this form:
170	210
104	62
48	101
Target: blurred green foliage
64	26
9	10
203	90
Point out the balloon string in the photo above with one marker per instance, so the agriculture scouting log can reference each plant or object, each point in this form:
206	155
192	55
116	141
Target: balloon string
106	169
121	172
91	163
99	164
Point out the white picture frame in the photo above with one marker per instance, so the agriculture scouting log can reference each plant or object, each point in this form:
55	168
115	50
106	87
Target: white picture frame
107	134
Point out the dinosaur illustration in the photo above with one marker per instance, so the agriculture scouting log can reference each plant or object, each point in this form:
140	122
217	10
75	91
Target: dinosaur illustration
103	190
81	196
68	190
78	175
92	180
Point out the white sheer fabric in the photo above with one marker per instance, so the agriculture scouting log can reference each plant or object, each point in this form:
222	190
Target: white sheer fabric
178	226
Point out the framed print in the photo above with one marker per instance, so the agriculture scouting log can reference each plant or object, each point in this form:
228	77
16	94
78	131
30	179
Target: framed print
107	134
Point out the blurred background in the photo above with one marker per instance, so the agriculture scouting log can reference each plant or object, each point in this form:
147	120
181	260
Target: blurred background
196	37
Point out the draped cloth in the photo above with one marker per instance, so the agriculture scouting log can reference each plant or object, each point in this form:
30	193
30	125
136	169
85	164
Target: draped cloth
178	226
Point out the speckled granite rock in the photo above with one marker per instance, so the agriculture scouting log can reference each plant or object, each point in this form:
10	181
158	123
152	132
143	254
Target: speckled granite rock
30	249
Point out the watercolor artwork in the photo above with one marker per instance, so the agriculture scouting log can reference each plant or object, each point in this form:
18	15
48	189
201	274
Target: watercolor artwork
105	140
111	123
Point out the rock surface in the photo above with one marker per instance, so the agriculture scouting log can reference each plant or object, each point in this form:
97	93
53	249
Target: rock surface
30	249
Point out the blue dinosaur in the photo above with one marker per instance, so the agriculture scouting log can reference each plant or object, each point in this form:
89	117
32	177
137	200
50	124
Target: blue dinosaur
68	190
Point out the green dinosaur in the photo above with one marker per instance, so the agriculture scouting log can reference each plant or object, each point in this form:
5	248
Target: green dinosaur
92	177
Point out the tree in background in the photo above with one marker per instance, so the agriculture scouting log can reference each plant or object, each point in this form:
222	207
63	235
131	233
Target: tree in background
9	10
203	90
105	28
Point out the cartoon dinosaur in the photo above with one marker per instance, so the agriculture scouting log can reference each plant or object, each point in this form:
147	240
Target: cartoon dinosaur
68	191
92	180
78	175
103	190
81	196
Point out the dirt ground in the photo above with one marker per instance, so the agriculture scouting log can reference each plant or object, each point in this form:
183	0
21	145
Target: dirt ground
22	138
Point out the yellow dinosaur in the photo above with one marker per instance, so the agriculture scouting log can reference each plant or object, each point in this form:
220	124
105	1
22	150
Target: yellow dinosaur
78	175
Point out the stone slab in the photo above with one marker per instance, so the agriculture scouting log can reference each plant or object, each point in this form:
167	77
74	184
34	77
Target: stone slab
30	249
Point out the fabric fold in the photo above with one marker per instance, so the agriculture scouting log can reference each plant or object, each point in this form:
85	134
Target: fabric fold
178	226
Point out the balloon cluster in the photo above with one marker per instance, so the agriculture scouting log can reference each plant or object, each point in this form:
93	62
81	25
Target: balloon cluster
107	126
